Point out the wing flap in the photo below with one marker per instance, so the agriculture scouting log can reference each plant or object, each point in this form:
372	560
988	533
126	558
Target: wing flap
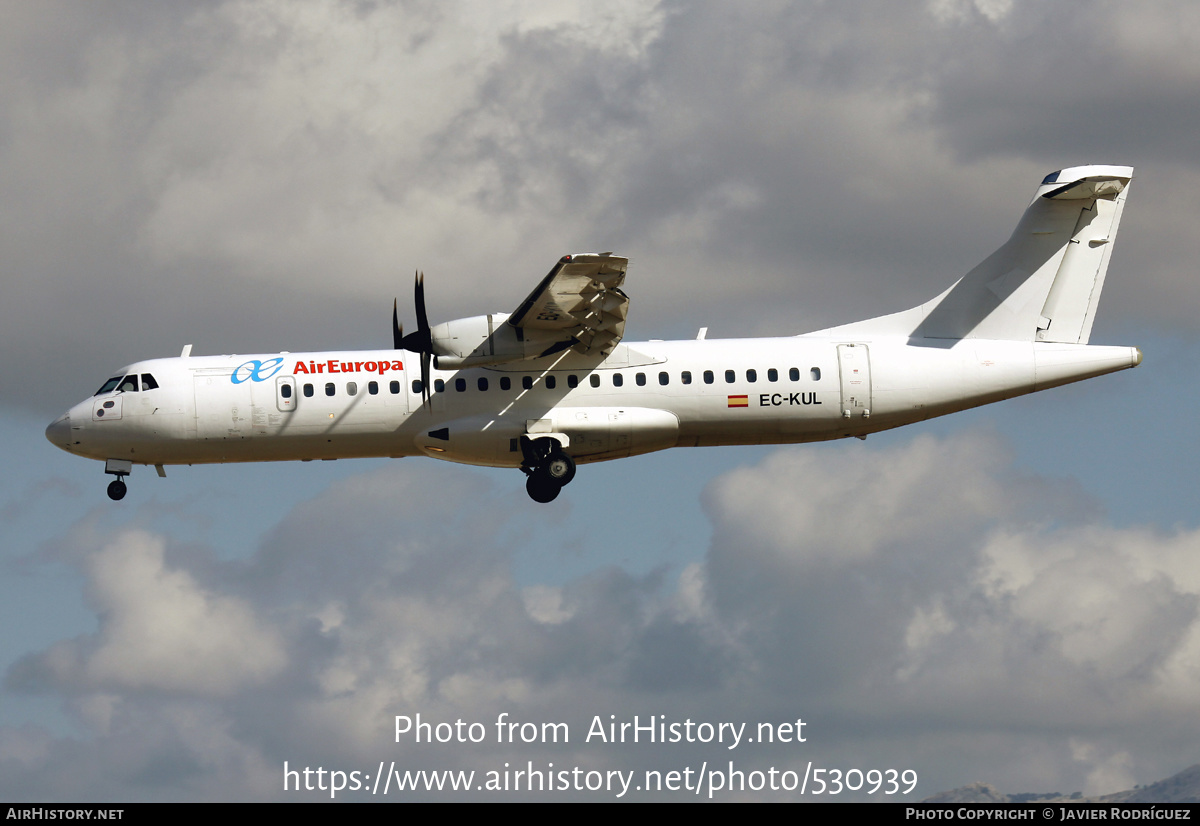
581	299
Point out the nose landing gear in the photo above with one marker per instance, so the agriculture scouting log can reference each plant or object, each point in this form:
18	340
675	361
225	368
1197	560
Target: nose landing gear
120	469
547	467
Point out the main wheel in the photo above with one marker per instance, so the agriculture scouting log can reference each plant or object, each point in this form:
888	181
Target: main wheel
542	489
116	490
559	467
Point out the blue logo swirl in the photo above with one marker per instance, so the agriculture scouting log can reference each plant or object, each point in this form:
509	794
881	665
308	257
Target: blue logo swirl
256	370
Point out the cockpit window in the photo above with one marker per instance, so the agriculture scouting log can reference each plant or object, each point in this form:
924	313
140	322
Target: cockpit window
148	382
128	384
109	385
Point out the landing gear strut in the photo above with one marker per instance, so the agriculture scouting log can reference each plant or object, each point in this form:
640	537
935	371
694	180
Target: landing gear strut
548	469
120	469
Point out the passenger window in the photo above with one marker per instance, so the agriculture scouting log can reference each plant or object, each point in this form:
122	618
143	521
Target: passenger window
772	375
285	390
148	382
482	383
572	381
815	373
640	378
439	386
329	389
618	379
308	391
729	377
417	387
663	378
794	374
394	388
708	377
527	382
128	385
751	375
551	382
460	385
594	380
505	383
352	388
373	388
686	377
108	386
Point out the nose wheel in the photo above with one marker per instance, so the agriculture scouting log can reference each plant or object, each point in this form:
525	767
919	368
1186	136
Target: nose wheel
547	467
116	490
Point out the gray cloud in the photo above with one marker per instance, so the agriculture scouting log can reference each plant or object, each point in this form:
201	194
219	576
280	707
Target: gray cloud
911	603
255	176
267	177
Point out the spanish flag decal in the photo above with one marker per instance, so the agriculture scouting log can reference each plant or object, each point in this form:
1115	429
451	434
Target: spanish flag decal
739	401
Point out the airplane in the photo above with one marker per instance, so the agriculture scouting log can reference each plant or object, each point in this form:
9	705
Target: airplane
552	385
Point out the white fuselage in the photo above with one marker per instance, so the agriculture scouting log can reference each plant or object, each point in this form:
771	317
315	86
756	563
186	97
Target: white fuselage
551	385
645	396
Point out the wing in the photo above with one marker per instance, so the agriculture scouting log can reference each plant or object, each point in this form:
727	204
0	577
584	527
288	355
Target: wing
581	301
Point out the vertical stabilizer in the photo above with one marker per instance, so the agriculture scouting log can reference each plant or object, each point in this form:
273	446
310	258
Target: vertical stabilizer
1043	283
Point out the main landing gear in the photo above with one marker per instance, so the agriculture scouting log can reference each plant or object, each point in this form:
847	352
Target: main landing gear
548	469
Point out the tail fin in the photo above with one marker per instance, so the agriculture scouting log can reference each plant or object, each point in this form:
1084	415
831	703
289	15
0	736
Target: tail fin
1044	283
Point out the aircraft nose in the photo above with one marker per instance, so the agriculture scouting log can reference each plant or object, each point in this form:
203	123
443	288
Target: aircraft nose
59	431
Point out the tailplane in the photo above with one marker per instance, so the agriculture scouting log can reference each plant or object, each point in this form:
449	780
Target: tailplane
1043	284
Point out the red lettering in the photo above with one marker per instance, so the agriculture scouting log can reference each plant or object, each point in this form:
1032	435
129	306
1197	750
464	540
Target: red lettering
397	365
347	367
300	367
358	365
333	366
320	368
370	366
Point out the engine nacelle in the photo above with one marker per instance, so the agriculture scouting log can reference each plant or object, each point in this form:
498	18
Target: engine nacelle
489	339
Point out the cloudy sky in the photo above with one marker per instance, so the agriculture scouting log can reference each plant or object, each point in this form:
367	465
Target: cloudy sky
1009	595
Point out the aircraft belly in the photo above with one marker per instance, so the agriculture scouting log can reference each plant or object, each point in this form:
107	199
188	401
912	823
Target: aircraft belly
592	434
769	414
603	433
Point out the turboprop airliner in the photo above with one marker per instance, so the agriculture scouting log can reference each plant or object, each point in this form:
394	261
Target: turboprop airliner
553	385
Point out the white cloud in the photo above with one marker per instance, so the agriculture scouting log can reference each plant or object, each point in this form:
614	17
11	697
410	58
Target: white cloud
232	165
242	167
938	599
957	11
161	630
335	139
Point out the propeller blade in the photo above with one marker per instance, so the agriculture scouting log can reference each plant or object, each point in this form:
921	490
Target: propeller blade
425	393
397	328
421	340
419	300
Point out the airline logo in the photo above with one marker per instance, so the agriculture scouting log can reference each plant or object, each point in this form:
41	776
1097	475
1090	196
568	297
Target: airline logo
335	366
256	370
739	401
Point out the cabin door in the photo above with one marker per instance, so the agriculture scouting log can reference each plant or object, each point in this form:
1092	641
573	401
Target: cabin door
854	364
